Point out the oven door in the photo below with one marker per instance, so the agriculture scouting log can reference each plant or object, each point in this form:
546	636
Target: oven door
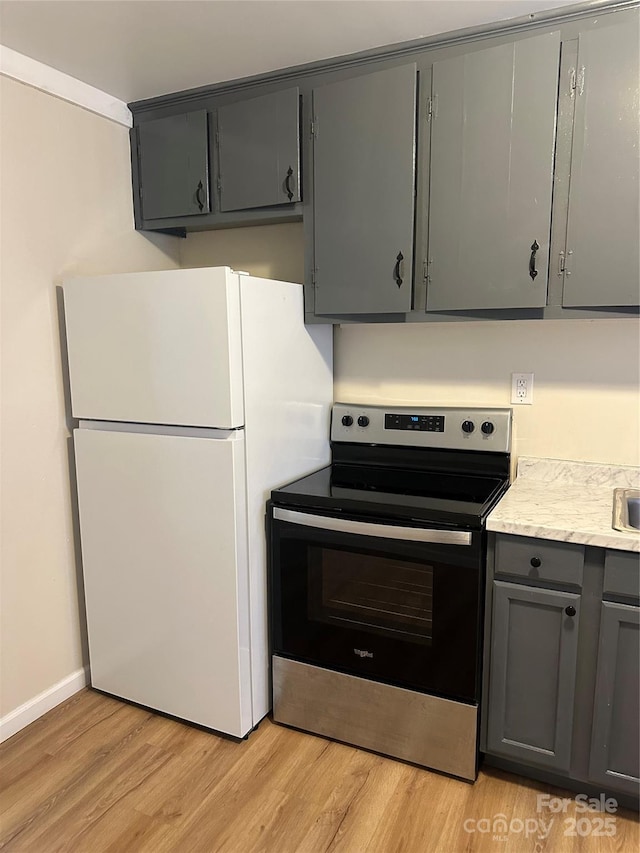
377	599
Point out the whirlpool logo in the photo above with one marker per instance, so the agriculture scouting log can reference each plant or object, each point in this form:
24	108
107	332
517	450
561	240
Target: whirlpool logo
362	653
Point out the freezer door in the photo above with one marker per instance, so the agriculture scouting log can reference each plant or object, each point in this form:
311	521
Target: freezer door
163	530
158	347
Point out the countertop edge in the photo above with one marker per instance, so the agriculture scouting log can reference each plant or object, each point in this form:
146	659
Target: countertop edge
617	541
565	501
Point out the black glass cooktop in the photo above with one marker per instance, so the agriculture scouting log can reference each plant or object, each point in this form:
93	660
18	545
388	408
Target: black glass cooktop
443	497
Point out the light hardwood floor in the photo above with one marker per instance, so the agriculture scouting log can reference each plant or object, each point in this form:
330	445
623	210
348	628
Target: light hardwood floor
96	774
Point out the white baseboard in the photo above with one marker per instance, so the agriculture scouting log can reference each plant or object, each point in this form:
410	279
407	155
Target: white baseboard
43	702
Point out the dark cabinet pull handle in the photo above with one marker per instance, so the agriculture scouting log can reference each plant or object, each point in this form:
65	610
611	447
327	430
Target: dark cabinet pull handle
398	271
199	197
533	272
287	183
570	610
536	562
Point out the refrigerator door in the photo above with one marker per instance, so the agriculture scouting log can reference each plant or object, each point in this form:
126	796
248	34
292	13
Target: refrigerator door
163	530
157	348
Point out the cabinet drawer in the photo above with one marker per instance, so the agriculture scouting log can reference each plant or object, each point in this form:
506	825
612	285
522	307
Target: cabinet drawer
539	559
622	573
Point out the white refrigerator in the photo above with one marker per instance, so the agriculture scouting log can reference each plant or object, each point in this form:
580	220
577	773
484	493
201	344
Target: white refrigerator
197	391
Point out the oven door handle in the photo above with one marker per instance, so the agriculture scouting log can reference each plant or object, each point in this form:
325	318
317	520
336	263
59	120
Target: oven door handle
365	528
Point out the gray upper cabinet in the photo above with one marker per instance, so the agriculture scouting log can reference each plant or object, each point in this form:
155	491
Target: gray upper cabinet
258	143
363	192
533	672
493	115
615	747
488	175
173	162
602	257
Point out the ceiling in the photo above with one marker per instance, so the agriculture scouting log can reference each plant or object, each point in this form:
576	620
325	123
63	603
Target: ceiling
135	49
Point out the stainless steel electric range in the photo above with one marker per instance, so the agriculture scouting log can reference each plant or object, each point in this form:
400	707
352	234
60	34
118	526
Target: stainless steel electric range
377	572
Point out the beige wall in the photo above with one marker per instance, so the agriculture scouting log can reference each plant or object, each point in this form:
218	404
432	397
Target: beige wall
65	208
587	372
268	251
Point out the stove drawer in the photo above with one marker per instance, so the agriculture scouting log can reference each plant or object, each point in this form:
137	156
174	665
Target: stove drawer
539	560
406	724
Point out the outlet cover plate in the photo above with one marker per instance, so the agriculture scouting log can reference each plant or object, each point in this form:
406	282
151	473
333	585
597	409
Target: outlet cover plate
522	389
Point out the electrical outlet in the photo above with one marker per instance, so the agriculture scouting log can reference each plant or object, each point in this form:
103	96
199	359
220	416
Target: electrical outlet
522	388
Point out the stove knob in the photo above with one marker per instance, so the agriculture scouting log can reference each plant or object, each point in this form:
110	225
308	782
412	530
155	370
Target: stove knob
468	426
363	421
347	420
487	427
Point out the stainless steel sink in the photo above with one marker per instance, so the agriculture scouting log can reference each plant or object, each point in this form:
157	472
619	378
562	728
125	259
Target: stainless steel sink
626	510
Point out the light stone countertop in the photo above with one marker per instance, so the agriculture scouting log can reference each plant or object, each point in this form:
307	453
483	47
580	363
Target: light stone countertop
566	501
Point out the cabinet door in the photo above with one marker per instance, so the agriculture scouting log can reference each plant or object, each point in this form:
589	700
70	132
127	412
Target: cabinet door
363	192
492	146
615	746
534	646
259	151
174	166
602	261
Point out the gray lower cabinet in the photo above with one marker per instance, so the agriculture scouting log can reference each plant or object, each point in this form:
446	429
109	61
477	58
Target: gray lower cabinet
173	163
615	745
493	120
258	145
363	192
533	671
561	694
602	262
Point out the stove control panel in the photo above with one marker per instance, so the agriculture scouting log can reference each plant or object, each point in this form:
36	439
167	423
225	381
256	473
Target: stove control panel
423	423
409	426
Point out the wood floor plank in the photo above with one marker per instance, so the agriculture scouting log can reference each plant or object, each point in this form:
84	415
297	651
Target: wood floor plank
365	810
132	832
286	833
407	823
101	713
27	791
108	787
335	762
263	770
423	813
66	717
56	795
345	782
104	776
186	778
248	820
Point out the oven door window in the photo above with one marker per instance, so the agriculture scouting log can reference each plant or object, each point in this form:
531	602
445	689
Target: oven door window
399	611
387	596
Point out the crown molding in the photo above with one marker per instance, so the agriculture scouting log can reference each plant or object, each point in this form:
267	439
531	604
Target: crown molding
60	85
404	50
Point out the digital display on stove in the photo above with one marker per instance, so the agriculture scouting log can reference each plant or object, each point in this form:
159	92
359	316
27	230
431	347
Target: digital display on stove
423	423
